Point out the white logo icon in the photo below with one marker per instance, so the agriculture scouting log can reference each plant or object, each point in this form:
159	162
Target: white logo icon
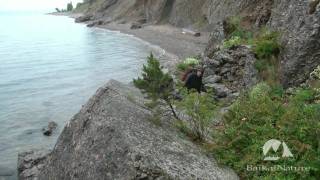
274	145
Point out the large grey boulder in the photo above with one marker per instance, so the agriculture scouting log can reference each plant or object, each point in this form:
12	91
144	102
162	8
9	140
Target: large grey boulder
112	138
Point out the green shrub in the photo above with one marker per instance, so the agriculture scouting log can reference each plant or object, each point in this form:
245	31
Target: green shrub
200	110
232	42
232	27
191	61
267	44
261	115
266	47
182	66
188	63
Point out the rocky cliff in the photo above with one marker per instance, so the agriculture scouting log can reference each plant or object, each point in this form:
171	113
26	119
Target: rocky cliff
112	138
296	20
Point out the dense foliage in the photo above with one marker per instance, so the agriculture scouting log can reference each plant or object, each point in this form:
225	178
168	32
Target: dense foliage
198	109
266	44
233	41
265	113
188	63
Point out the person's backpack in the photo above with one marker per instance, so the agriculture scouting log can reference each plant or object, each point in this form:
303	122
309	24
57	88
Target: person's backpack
185	75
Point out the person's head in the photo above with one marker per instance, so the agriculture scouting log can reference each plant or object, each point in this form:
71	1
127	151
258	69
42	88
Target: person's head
199	71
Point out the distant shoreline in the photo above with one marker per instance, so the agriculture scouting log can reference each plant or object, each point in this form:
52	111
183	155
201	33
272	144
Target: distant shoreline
177	46
70	14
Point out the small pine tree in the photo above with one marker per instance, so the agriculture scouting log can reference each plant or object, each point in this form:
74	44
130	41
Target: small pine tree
156	84
69	6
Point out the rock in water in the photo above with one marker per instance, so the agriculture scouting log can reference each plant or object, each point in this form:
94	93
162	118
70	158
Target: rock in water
51	127
112	138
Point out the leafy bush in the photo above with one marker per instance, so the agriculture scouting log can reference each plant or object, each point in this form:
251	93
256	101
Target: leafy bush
200	110
191	61
266	47
266	44
182	66
232	27
265	113
187	63
156	84
232	42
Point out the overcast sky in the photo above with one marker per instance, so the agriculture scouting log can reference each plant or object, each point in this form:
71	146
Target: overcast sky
34	5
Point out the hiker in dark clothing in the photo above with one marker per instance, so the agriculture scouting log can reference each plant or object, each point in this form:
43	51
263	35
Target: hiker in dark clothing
194	80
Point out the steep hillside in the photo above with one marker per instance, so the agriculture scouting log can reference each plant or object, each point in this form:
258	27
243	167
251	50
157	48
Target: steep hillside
296	20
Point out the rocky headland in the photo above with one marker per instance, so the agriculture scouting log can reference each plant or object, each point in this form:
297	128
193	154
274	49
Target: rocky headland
112	137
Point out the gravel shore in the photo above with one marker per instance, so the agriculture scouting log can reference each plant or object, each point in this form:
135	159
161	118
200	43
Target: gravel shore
171	45
167	37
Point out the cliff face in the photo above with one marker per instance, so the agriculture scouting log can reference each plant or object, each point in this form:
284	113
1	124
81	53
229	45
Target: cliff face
112	138
299	23
181	13
296	20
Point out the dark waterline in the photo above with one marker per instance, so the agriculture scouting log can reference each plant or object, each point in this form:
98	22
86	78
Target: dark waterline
49	67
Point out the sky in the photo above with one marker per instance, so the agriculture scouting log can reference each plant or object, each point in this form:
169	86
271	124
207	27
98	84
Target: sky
34	5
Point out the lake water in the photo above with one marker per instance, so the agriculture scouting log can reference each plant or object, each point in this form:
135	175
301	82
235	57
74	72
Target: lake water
49	67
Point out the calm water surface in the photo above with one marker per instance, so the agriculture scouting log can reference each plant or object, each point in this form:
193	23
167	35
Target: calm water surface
49	67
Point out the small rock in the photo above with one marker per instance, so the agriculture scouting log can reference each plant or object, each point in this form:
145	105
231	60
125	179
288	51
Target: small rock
91	24
47	131
224	70
224	57
212	79
221	91
95	23
83	18
215	63
197	34
135	26
142	21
